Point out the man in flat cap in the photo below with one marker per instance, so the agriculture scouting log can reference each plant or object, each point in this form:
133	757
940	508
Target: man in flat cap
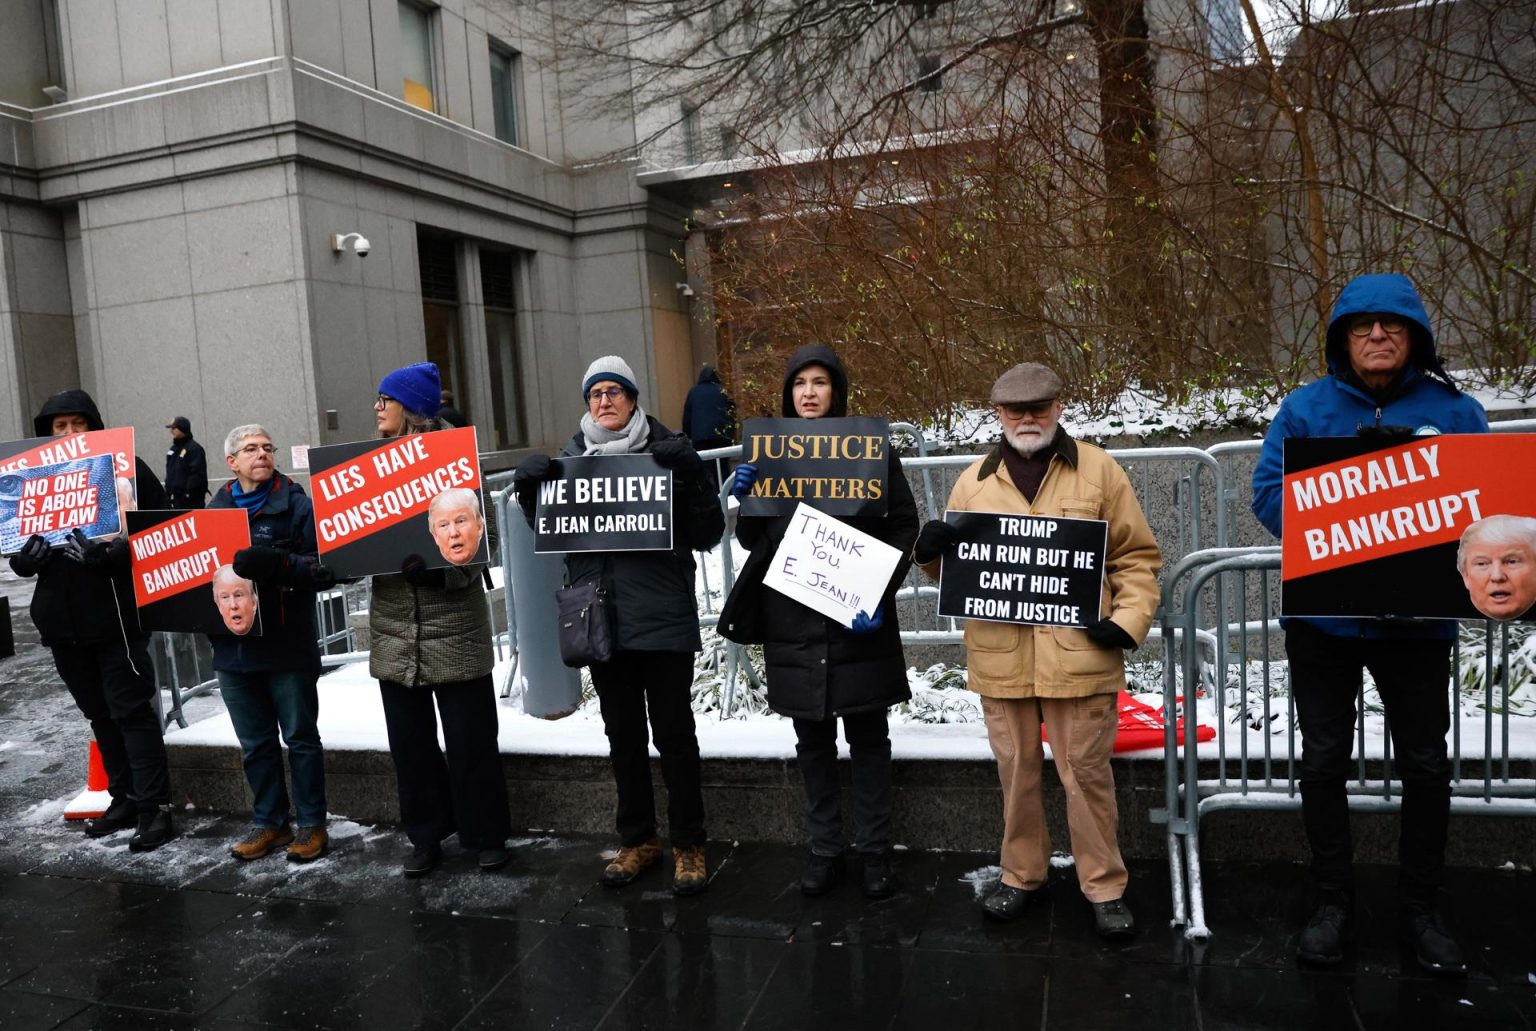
1068	678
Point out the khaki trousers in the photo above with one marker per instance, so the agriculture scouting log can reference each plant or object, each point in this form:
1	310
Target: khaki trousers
1082	733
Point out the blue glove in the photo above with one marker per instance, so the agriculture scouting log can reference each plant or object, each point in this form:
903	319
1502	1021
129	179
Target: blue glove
741	484
864	623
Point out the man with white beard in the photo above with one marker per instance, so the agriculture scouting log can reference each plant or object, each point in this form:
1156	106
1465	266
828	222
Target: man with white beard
1066	677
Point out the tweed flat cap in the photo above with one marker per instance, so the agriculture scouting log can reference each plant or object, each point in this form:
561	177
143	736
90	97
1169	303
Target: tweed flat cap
1025	384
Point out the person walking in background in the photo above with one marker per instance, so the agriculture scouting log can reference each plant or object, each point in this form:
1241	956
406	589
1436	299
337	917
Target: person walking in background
819	670
1384	380
709	417
656	629
431	654
447	414
186	467
83	607
268	682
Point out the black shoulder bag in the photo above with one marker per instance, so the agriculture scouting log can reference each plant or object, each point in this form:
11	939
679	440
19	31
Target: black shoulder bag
584	613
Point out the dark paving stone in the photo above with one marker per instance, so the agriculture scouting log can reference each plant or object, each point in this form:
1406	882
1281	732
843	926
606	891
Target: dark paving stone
845	915
955	919
754	892
1232	999
26	1010
833	986
694	982
976	989
1381	1002
647	903
1111	995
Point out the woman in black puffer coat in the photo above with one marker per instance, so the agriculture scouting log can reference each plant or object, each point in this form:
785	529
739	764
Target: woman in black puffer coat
819	670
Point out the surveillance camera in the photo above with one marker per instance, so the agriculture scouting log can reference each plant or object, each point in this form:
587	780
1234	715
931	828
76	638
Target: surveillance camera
361	246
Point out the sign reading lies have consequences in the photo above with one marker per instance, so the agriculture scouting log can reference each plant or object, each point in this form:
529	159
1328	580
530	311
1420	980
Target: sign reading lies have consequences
1045	570
605	503
837	466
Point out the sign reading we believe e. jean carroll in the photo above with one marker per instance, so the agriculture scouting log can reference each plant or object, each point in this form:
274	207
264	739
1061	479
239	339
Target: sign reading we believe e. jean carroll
605	503
1042	570
837	466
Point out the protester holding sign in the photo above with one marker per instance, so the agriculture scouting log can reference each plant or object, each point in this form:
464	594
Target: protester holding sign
819	670
431	633
1066	677
1384	381
83	606
655	628
268	682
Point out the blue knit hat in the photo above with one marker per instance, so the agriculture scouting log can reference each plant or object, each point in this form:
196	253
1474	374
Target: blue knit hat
416	387
610	367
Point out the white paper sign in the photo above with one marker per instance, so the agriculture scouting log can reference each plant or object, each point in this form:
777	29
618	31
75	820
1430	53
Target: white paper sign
827	565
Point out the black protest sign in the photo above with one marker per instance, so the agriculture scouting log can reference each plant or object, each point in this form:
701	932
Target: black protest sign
837	466
605	503
1044	570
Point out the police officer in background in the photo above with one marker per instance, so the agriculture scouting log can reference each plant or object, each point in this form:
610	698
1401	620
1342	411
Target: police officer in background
186	467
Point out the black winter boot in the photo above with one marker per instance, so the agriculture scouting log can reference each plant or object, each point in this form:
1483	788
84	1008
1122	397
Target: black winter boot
1432	944
155	829
120	815
1332	925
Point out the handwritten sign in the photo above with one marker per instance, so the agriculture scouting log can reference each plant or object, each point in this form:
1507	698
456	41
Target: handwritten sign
831	567
52	501
605	503
180	579
837	466
1041	570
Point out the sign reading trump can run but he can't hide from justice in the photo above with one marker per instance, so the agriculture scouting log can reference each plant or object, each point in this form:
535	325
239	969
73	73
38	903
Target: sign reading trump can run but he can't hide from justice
837	466
1372	530
1041	570
372	500
605	503
183	580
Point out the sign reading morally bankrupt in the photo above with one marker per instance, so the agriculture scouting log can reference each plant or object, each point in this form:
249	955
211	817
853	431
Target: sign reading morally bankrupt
1045	570
372	501
605	503
837	466
183	580
1372	529
50	486
831	567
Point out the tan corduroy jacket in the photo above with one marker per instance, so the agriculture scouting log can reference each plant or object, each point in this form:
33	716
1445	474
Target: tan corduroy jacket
1009	660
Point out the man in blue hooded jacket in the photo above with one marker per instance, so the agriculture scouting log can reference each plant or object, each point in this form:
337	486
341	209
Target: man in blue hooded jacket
1384	379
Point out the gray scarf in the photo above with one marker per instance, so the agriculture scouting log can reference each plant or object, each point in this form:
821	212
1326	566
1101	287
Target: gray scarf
635	435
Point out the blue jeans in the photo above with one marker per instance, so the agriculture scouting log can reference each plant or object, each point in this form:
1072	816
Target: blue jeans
259	705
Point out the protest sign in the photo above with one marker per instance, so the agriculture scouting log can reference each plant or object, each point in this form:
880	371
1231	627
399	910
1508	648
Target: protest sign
1372	529
837	466
1042	570
51	501
180	579
831	567
605	503
372	499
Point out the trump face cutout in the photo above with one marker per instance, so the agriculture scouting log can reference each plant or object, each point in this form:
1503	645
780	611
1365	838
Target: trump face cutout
1497	563
456	524
235	597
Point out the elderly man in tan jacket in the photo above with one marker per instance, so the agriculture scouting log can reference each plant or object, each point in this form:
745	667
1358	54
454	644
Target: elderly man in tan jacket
1066	677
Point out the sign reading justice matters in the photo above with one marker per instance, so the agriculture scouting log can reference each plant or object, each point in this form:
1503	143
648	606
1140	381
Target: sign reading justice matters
1045	570
837	466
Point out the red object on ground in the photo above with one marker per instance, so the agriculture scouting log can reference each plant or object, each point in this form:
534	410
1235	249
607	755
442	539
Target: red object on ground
95	772
1142	727
93	801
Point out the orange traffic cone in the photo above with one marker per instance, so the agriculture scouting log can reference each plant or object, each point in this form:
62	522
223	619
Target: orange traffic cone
93	801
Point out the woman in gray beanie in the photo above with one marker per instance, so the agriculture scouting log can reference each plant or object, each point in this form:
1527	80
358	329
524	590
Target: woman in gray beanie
656	628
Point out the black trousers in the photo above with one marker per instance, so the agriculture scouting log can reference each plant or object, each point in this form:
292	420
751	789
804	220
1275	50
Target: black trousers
659	684
1412	677
869	748
464	791
113	684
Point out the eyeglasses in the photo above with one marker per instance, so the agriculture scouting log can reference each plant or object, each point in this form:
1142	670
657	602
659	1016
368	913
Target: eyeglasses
384	399
596	395
1360	325
251	450
1039	409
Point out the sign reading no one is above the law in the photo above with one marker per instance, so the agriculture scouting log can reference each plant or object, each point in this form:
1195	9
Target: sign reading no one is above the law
831	567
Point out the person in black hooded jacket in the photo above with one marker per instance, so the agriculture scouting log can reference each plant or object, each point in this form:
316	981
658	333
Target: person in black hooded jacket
83	608
819	670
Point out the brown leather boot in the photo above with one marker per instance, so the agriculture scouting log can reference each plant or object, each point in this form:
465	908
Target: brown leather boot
309	844
689	876
261	841
626	866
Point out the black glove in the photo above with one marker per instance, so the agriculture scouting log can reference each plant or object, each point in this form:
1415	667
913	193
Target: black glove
260	562
86	551
1385	435
32	557
1106	633
536	469
416	573
934	539
677	454
324	577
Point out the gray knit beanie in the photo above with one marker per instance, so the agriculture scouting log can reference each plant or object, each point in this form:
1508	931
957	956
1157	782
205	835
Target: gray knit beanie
610	367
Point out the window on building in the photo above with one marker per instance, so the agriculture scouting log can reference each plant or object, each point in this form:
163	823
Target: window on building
416	56
692	144
730	143
506	88
438	266
498	270
929	78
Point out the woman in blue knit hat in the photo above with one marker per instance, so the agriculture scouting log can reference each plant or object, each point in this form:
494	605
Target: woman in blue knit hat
431	643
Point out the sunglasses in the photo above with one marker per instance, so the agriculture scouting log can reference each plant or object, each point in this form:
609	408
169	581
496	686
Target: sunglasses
1360	325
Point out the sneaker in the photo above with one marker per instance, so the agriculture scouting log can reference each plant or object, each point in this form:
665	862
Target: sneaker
260	842
308	845
821	873
422	860
493	858
879	878
1432	945
1113	920
122	814
626	866
688	875
1008	903
1323	939
155	829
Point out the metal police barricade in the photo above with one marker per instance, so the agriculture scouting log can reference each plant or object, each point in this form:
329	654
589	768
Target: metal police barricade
1231	775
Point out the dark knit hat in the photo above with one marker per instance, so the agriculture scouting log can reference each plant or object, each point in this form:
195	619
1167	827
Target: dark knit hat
416	387
610	367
